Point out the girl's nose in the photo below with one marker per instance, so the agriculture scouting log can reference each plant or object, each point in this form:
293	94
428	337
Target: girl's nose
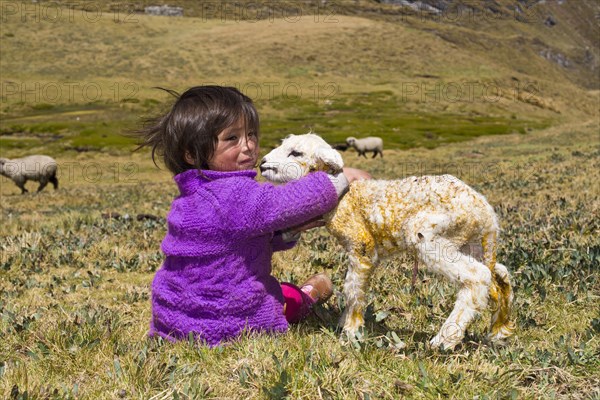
248	143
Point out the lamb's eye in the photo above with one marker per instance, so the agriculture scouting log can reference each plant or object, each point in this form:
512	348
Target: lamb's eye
295	153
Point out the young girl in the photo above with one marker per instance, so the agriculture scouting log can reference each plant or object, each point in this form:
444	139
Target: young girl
224	226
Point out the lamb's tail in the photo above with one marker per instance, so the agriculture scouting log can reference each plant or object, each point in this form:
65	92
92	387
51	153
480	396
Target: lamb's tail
501	292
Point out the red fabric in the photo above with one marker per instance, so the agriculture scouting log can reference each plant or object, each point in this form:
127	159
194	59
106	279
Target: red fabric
297	303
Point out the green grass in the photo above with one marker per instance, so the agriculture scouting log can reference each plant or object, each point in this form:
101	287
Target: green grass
60	128
382	114
104	126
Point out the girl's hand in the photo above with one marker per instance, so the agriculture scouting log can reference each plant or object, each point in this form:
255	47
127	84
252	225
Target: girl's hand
313	223
353	174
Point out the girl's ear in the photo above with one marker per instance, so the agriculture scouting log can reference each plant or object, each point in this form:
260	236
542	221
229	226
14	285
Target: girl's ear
329	160
188	158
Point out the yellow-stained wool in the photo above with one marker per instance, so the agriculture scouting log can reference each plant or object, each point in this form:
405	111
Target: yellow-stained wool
450	227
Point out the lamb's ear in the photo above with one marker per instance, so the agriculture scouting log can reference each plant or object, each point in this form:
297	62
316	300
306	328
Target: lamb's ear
329	160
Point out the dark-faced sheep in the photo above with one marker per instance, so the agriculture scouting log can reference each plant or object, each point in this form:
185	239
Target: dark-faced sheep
34	168
371	143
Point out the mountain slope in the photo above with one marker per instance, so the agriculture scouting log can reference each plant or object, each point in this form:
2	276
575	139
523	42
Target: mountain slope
469	59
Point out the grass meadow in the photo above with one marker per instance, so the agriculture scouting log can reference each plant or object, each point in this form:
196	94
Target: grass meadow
75	289
470	97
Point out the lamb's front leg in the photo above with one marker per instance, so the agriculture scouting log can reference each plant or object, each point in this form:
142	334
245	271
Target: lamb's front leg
355	291
352	233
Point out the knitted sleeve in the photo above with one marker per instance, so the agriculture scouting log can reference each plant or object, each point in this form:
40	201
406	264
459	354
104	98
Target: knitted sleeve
269	208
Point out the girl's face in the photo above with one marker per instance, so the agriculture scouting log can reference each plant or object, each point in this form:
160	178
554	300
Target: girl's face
236	149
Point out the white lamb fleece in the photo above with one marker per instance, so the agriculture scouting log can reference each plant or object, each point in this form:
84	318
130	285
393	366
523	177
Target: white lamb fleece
371	143
447	225
38	168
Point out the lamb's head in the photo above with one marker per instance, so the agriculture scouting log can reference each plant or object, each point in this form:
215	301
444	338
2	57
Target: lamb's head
350	141
3	162
297	156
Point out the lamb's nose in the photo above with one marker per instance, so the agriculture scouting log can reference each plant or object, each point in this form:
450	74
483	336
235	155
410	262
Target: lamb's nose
262	165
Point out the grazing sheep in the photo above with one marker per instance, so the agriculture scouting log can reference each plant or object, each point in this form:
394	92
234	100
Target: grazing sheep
35	168
371	143
440	220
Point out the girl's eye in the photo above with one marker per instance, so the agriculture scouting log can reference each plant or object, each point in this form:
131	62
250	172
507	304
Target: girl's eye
295	153
232	138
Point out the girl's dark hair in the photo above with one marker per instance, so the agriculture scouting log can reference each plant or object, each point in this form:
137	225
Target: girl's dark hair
194	123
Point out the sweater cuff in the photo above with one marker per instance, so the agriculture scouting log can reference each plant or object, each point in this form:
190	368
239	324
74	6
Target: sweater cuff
340	183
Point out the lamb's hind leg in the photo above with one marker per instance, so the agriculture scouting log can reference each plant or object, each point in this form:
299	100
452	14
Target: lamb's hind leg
474	279
501	326
501	292
362	259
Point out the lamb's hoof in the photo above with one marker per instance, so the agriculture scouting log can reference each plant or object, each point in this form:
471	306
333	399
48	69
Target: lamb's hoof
500	335
351	334
446	344
448	337
354	338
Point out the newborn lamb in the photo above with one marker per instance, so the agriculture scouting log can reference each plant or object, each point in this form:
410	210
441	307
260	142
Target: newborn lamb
447	225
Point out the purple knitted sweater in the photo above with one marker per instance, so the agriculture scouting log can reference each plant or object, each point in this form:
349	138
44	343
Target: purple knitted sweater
216	278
